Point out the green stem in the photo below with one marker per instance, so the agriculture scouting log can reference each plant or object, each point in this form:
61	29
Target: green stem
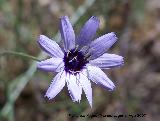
19	54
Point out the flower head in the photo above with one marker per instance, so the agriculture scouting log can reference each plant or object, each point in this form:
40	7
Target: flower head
80	61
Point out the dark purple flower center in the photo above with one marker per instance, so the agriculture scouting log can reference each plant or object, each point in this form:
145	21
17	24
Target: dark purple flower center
74	61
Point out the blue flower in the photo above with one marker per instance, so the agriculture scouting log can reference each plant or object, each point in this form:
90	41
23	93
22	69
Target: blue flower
80	61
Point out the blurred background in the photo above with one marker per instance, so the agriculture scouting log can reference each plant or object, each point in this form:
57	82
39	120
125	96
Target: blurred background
22	87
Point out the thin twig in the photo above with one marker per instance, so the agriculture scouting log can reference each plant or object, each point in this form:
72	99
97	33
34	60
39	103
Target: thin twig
20	54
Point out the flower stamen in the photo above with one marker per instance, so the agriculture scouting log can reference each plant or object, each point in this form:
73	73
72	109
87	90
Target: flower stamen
74	61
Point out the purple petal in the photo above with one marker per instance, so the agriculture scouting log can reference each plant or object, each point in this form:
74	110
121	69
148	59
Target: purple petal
99	77
88	31
56	85
108	61
67	33
99	46
74	88
86	85
50	46
52	64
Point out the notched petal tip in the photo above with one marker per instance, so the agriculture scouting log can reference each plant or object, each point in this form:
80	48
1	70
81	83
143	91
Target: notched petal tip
113	35
120	61
46	96
41	39
42	36
38	65
112	88
95	19
64	17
